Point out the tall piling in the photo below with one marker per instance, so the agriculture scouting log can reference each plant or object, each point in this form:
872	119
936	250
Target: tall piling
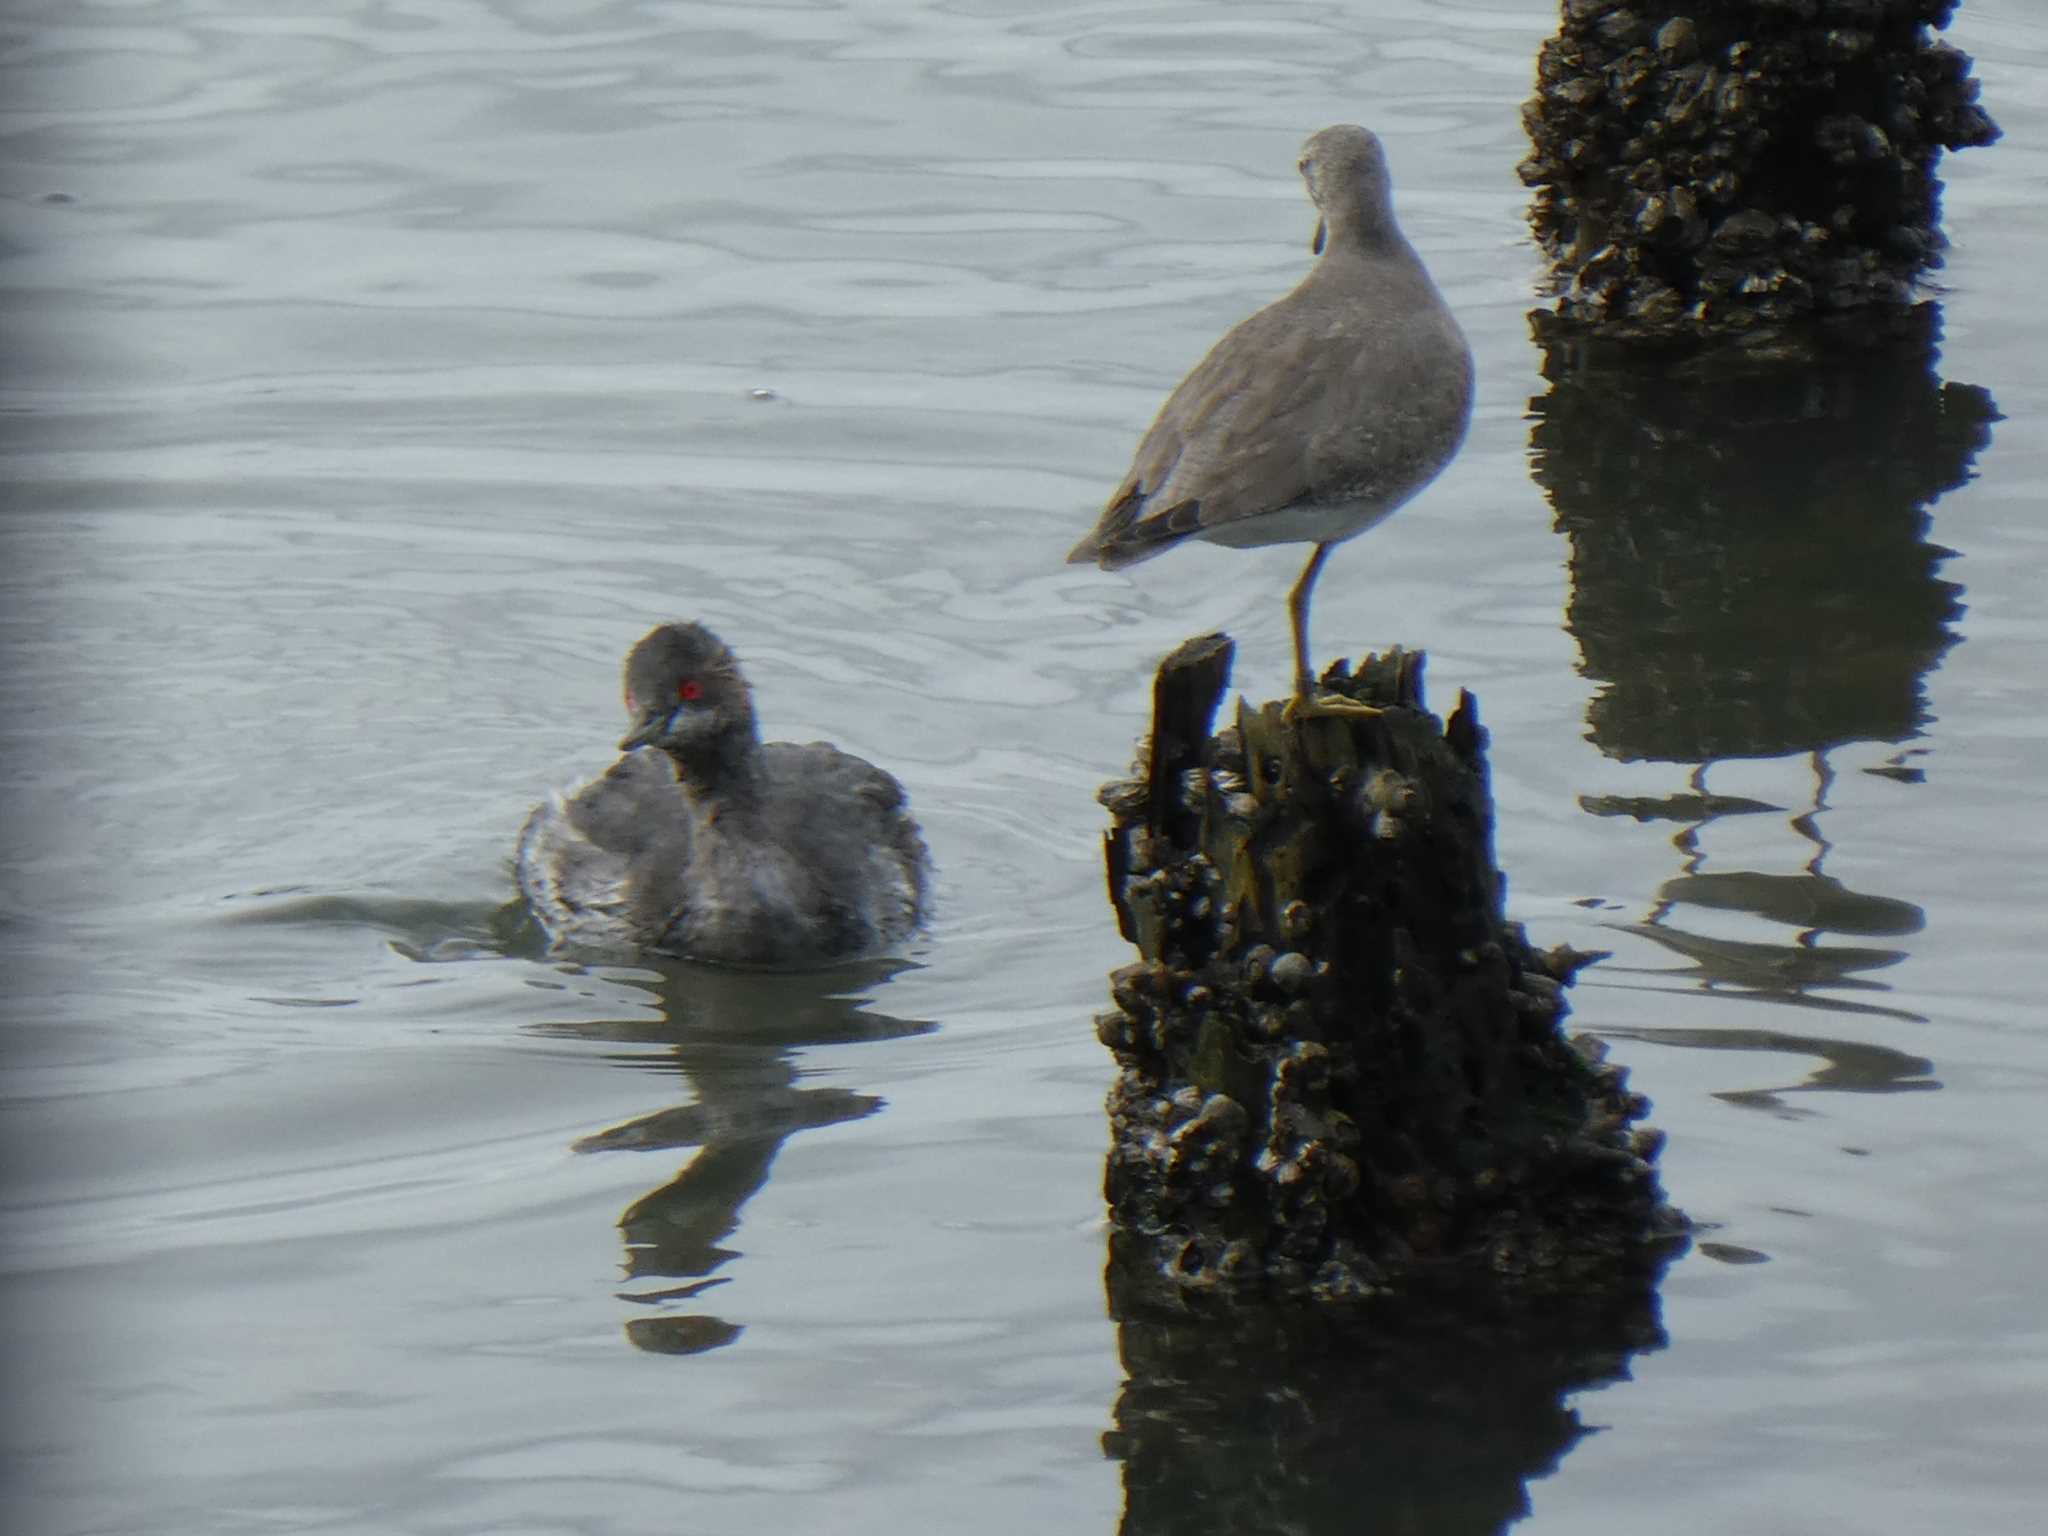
1717	166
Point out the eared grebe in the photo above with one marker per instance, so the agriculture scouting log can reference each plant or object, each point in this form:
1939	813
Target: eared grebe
1318	416
704	842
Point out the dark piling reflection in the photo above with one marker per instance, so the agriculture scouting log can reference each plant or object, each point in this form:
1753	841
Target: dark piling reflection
1393	1419
1751	578
735	1038
1750	568
1845	1066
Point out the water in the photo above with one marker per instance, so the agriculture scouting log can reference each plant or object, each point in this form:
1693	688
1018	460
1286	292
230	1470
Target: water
382	371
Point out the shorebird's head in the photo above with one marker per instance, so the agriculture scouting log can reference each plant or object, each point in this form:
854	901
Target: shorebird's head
686	695
1346	172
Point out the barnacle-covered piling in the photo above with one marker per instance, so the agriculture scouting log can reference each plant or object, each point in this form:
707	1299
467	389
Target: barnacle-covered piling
1721	165
1341	1068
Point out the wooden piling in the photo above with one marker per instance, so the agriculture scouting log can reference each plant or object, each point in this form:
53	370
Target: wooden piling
1341	1068
1713	169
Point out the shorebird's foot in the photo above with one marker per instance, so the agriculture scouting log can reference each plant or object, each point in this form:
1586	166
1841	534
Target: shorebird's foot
1322	706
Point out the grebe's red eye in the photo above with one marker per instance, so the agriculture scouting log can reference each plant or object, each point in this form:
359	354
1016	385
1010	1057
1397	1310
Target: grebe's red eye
689	690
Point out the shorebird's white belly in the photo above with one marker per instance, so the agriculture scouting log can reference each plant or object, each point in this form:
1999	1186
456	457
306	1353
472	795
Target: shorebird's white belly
1308	522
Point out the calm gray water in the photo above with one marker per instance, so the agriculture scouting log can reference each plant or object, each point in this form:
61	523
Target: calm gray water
379	372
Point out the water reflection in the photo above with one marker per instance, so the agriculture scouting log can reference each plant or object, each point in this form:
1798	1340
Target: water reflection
1751	578
1751	575
735	1037
1405	1419
1807	971
1846	1066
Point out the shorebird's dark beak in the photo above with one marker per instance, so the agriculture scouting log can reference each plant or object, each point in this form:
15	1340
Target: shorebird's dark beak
651	728
1322	233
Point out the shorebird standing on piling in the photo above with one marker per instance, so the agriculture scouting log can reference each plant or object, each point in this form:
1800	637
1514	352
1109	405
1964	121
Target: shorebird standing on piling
1317	417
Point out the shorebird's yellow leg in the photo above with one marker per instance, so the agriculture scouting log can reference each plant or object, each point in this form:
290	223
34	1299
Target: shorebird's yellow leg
1307	703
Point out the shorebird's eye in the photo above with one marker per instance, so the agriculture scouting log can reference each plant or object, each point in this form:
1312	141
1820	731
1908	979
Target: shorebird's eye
689	690
1301	165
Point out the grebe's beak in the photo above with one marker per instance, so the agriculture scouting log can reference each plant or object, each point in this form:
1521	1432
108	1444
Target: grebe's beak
1322	235
649	730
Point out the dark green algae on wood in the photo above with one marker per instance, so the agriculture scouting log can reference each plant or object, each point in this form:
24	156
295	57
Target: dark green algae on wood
1342	1071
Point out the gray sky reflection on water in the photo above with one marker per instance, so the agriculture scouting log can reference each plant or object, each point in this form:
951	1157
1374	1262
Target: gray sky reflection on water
379	373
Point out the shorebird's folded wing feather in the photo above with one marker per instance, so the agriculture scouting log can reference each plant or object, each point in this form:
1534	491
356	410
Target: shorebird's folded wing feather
1228	444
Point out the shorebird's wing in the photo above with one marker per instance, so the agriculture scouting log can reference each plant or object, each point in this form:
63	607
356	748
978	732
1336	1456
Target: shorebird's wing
1230	442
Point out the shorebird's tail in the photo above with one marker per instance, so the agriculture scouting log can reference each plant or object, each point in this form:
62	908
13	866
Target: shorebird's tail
1124	538
1099	548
